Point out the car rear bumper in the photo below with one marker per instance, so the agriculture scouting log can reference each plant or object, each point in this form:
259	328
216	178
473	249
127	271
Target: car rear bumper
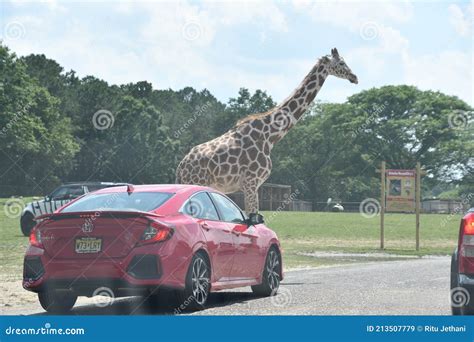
145	267
466	281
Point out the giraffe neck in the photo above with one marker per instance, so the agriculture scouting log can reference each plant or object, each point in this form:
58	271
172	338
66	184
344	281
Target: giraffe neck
283	117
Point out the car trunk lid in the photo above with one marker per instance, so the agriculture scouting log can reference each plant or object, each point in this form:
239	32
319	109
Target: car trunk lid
110	234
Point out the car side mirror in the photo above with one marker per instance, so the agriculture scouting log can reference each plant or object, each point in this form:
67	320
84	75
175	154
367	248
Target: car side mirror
254	219
47	198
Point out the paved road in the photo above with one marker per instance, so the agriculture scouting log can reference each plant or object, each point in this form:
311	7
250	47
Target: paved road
408	287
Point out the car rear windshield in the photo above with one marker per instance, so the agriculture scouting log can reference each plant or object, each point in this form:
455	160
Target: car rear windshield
135	201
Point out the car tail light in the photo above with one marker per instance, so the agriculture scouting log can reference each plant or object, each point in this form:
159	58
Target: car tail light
156	232
466	244
35	238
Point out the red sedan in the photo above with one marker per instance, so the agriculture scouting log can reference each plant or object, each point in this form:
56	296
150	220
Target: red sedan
189	239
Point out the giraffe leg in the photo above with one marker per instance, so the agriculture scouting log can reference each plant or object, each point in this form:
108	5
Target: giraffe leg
251	199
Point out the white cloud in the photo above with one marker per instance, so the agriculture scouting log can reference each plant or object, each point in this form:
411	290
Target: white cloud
353	14
53	5
235	13
447	71
461	21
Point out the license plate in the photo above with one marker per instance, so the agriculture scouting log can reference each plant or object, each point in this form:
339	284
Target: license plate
88	245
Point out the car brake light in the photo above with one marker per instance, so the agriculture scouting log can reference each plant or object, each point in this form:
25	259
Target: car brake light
156	232
466	244
468	224
35	238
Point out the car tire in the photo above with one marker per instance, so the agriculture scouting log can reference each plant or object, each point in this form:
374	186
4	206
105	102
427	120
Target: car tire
458	310
27	223
197	285
57	301
271	274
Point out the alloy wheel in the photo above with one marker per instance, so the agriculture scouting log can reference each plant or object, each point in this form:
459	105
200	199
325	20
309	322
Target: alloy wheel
200	281
273	270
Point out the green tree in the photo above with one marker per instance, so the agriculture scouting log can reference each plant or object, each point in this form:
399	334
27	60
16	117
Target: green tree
36	142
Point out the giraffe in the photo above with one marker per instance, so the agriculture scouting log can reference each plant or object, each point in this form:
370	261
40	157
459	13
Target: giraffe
239	160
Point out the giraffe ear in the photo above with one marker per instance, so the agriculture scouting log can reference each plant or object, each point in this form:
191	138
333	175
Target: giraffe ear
334	53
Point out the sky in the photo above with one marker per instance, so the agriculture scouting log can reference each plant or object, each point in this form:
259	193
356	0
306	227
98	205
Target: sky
268	45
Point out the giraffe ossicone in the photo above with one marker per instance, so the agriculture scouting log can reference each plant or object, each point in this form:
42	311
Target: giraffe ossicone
239	160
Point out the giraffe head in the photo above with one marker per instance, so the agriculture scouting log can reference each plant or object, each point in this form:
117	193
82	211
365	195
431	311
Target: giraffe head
337	67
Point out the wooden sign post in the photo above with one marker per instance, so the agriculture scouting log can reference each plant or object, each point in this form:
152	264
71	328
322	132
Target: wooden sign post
382	205
417	204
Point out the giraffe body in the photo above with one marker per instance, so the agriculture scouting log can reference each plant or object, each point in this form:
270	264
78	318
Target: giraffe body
240	158
237	160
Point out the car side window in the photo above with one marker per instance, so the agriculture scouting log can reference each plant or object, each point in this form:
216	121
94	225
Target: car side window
67	192
58	193
201	206
228	210
76	191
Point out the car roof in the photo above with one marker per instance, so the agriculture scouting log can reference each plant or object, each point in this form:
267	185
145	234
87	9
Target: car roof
171	188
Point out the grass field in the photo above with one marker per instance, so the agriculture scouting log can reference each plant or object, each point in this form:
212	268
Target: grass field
301	234
310	232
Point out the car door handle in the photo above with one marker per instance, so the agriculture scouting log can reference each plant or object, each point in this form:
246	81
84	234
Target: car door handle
205	226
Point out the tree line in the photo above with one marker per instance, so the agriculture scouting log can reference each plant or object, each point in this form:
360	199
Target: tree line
56	127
